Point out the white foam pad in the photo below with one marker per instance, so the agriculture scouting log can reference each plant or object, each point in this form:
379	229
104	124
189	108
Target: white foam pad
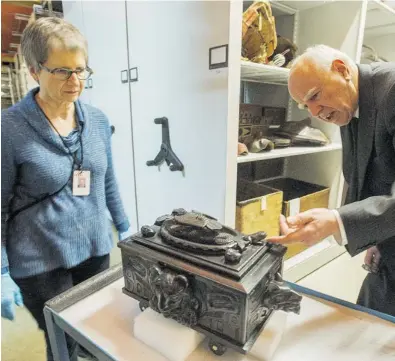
269	339
166	336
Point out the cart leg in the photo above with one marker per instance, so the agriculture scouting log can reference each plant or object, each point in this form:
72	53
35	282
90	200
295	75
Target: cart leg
57	339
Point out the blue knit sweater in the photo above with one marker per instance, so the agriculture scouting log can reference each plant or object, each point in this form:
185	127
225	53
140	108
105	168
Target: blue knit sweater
64	230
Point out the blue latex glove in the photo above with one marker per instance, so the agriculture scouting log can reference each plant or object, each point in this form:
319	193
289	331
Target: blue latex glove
10	295
124	235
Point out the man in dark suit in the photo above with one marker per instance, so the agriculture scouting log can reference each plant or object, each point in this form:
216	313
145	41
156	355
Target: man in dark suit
360	98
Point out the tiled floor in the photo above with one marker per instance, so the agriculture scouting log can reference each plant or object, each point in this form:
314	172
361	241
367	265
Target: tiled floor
21	340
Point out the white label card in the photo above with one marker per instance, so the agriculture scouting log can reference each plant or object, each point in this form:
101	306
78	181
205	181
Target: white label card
81	183
263	204
294	207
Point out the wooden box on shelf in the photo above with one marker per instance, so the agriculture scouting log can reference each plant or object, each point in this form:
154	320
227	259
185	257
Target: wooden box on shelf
298	196
255	121
251	122
258	208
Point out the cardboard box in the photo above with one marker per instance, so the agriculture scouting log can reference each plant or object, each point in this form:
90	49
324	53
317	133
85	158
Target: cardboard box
298	196
258	208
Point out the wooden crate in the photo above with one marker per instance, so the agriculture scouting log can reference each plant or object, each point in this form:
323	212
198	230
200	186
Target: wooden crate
258	208
298	196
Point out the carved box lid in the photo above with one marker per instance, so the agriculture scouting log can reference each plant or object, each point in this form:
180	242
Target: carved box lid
203	241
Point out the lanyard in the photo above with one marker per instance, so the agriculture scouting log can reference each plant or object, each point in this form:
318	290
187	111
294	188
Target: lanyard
18	211
74	155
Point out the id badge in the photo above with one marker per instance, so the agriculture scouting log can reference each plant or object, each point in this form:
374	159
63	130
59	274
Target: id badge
81	182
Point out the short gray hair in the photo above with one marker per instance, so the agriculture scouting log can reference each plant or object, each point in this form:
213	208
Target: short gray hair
323	55
41	35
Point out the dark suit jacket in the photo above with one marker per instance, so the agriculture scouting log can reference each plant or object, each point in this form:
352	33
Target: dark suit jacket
369	165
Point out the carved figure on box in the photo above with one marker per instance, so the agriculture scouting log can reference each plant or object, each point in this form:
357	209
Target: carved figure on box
280	297
200	233
172	296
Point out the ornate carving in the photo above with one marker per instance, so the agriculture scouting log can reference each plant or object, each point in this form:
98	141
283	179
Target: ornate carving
257	312
235	314
147	231
198	220
178	212
172	296
136	275
160	220
200	233
258	238
281	297
270	294
247	239
221	310
276	248
232	256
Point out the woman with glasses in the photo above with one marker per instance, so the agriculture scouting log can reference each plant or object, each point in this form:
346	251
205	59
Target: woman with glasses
57	178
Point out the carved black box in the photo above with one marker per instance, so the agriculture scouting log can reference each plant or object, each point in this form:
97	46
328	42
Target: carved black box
193	269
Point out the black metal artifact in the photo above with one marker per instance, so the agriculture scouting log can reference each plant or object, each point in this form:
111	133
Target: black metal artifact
193	269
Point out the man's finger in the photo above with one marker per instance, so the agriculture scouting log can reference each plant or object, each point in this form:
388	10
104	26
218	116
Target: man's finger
369	257
292	237
277	239
376	257
284	229
300	219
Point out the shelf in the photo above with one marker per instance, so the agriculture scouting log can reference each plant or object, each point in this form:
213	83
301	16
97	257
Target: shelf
286	152
281	8
262	73
293	6
380	19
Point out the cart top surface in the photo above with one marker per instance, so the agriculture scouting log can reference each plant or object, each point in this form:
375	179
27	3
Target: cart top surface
323	331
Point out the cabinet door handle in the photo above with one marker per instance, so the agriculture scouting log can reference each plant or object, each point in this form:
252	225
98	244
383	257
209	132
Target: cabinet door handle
124	76
133	74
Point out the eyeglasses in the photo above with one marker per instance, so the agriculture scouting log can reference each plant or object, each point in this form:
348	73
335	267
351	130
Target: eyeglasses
65	74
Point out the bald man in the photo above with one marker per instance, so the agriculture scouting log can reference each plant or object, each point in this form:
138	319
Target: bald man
360	99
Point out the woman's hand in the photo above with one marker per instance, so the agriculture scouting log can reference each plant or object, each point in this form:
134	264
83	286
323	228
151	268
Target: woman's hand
124	235
10	296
